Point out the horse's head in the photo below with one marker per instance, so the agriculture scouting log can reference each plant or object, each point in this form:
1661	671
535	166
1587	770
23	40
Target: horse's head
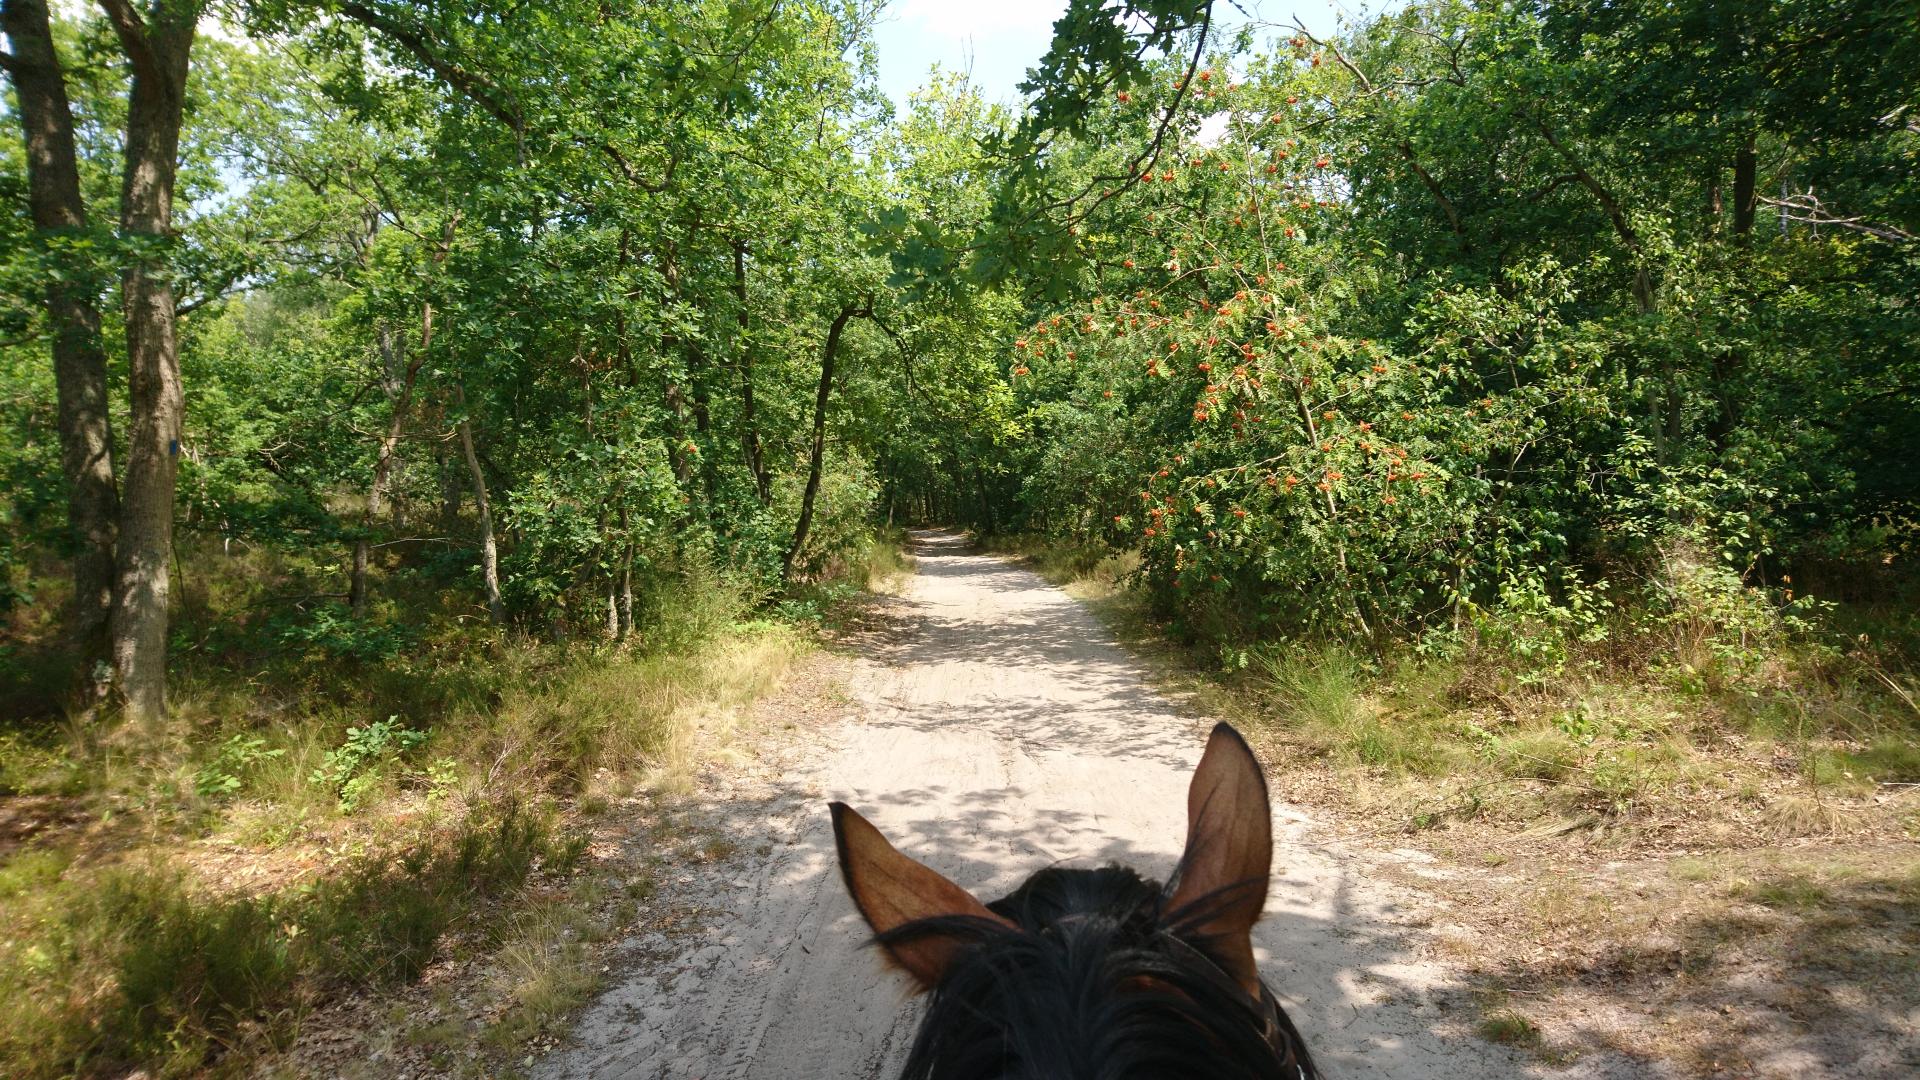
1093	974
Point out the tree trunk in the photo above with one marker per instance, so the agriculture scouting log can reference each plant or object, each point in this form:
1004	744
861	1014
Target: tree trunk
489	552
749	423
138	626
626	587
985	516
613	605
1746	167
679	452
450	490
357	573
79	359
1727	365
818	455
675	397
702	421
402	400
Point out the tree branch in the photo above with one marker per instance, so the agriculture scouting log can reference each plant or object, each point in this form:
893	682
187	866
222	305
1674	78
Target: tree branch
1433	187
1599	191
1548	188
474	86
1808	210
1367	88
132	31
627	170
1146	156
1366	84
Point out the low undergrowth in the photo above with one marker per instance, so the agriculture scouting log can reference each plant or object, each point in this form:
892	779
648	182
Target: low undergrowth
1644	732
138	964
1661	813
329	812
1776	960
1084	569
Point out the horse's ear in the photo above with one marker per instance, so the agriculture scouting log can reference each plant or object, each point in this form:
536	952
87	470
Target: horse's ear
1222	879
892	890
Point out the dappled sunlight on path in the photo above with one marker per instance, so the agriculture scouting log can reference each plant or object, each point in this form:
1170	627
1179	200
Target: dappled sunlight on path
996	731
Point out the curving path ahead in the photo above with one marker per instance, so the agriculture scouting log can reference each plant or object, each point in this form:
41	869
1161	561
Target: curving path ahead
1003	732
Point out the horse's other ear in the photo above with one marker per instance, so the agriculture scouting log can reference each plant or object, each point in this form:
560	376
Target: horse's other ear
892	890
1222	880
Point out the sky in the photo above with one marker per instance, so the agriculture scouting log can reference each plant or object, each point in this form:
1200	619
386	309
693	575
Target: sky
999	39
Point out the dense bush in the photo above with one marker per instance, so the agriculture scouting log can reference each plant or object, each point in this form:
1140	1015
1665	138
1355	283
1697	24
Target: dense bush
1339	378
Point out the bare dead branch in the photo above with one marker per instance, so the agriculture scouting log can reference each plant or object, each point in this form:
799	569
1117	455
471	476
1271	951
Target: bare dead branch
1807	209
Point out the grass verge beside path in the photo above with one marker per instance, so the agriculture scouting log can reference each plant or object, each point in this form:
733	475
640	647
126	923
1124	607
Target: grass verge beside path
187	901
1721	875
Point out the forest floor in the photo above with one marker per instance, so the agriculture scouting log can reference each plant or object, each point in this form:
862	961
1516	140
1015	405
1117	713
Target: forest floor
990	724
1736	913
987	723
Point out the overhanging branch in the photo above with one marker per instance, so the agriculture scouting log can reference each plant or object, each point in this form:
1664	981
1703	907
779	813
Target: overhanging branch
474	86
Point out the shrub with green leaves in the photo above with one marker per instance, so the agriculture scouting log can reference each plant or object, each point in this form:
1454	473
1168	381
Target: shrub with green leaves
361	762
1383	395
329	632
224	776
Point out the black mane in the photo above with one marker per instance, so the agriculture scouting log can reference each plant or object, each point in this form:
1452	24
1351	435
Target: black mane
1097	983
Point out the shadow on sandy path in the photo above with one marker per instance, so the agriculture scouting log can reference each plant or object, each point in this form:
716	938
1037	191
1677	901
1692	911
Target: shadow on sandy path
995	731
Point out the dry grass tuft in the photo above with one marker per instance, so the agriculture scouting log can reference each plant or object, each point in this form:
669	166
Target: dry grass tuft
1794	816
544	970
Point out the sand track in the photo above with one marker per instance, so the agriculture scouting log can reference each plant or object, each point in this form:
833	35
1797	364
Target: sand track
1001	732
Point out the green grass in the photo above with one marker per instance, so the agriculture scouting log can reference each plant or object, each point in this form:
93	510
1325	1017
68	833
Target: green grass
1509	1028
1886	759
545	970
872	560
116	953
35	761
1316	689
1694	871
136	963
882	559
1534	755
1613	730
1595	742
1085	570
32	869
1324	697
1790	891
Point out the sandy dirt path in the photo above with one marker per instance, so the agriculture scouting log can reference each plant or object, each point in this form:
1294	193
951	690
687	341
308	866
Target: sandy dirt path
998	732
